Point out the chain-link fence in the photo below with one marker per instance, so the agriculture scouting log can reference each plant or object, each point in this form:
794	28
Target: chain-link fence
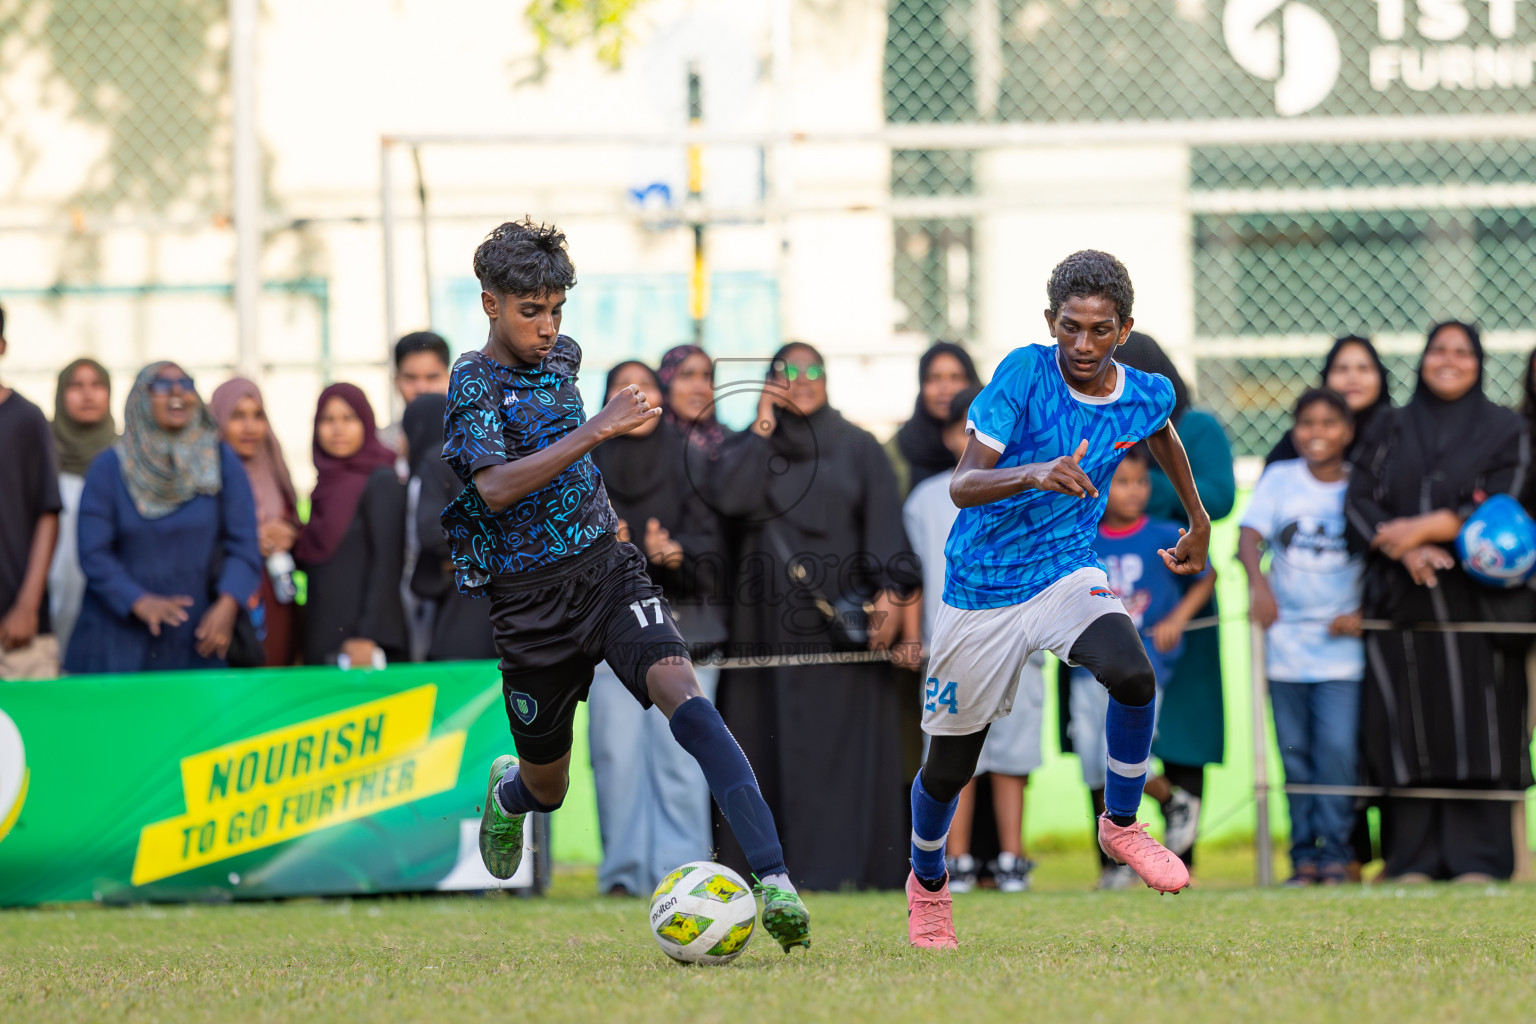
114	140
116	237
1290	244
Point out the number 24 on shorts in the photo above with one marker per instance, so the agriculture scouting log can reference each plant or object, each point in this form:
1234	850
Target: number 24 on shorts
940	695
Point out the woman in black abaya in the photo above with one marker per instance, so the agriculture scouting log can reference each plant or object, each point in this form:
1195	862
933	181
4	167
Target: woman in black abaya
917	450
1444	710
1354	369
815	499
460	625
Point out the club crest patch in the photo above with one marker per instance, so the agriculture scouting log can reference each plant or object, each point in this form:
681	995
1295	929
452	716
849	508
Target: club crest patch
523	706
1101	592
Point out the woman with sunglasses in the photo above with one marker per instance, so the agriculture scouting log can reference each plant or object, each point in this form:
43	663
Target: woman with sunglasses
167	538
815	499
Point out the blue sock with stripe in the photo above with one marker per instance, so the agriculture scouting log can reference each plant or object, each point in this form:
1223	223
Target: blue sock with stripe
1128	735
930	828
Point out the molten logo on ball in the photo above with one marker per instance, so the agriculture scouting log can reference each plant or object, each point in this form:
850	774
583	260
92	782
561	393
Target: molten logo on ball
703	913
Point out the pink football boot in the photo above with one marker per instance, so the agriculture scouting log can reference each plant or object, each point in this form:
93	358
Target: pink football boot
930	917
1146	856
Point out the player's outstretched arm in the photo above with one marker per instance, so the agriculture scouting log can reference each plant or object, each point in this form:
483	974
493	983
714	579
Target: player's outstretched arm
978	481
1187	558
505	485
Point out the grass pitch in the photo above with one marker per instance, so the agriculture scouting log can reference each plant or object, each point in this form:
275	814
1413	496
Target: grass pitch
1211	954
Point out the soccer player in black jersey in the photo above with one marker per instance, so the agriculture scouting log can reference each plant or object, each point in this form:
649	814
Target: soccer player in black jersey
534	533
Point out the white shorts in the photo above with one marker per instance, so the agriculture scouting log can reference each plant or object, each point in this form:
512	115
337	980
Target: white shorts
1012	746
978	654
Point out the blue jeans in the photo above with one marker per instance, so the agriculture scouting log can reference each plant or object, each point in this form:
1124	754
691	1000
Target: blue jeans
1317	726
652	800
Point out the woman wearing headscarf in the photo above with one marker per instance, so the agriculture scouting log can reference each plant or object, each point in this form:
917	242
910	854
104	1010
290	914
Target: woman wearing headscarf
687	379
353	547
83	428
917	449
816	500
457	628
167	538
1354	369
1440	710
241	414
1191	726
652	800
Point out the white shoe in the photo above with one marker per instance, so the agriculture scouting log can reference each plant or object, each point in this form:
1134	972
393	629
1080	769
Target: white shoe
962	872
1117	876
1182	818
1011	873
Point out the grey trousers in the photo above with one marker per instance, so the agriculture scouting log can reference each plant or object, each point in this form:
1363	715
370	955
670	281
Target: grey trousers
652	800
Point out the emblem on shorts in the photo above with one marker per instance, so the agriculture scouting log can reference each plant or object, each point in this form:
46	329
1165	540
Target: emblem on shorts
1100	592
1122	445
523	706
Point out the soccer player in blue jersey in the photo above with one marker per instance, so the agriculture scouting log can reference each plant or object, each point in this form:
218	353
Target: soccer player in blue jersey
1044	440
534	533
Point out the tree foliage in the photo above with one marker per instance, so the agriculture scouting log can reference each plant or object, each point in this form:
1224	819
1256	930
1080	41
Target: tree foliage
567	23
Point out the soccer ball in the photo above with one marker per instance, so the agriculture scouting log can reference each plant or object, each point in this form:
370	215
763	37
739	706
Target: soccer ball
703	913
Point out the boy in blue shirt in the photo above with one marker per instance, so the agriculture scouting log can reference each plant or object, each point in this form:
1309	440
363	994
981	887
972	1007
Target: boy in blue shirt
534	532
1160	604
1045	438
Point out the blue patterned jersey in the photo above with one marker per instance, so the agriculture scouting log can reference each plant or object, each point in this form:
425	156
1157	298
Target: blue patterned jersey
1008	551
498	414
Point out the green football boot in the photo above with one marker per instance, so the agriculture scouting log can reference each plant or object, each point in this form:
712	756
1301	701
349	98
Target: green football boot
784	915
501	837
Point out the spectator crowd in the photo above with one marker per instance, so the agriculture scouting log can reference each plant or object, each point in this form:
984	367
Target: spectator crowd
179	541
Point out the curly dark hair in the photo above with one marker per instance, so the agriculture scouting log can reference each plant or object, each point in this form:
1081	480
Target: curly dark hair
1091	272
524	258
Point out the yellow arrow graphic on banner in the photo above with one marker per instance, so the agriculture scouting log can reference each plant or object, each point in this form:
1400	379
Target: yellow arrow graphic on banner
266	789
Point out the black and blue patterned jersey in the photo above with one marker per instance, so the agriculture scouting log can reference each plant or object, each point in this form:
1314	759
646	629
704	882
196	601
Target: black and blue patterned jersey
498	414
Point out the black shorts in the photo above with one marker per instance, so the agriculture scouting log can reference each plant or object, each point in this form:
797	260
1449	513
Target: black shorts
554	625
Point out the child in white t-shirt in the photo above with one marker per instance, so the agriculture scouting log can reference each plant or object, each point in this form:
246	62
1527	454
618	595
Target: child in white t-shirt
1012	747
1309	603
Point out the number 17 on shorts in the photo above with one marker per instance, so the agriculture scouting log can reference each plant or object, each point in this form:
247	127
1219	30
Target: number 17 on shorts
939	695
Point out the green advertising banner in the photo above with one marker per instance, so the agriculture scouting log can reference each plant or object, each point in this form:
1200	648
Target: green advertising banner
217	785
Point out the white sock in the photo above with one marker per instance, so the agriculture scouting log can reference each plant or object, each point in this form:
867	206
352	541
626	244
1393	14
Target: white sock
496	794
781	880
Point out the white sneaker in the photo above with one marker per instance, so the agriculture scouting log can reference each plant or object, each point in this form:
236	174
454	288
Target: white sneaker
962	872
1011	873
1182	818
1117	876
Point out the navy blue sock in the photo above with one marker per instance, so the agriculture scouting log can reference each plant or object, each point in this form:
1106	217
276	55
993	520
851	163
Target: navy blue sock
701	731
514	797
1128	735
930	827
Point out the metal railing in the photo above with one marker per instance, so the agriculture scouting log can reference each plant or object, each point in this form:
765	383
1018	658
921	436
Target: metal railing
1263	845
